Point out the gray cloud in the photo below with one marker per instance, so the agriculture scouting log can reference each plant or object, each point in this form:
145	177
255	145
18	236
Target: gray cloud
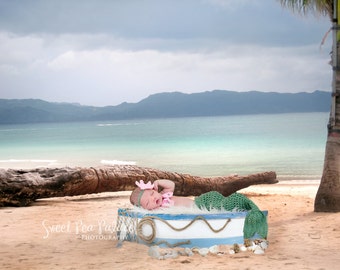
107	52
235	21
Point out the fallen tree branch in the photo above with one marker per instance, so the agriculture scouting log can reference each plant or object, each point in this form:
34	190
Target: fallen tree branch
22	187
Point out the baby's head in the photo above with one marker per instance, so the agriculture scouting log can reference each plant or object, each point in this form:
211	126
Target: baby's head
146	197
136	196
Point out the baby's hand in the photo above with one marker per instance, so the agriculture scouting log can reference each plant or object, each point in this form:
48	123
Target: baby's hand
155	185
165	184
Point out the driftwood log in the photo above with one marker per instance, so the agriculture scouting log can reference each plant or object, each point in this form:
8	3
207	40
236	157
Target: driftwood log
22	187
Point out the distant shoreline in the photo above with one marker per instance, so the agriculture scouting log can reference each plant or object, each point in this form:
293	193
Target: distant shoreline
167	105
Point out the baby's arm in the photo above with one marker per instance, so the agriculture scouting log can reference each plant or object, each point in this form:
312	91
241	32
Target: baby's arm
165	184
183	201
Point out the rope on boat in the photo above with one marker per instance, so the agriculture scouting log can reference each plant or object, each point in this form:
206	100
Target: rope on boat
149	220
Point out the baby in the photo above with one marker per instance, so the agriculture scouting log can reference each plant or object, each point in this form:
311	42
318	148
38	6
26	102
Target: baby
149	197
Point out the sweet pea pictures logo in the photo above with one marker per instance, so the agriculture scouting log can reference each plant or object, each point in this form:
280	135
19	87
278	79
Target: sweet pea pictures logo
100	230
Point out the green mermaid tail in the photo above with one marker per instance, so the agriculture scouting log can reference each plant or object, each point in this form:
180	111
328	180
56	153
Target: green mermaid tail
255	221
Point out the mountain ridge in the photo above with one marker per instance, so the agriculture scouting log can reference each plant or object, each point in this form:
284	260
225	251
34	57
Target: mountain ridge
166	105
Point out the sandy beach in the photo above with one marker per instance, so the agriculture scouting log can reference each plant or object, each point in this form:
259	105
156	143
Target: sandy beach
79	233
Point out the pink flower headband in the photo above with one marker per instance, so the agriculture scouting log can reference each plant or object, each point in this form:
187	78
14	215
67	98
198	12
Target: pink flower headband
143	187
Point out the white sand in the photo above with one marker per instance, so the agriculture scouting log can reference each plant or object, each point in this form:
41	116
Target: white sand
78	233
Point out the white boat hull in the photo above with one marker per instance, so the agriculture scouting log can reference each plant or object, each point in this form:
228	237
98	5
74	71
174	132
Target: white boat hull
185	230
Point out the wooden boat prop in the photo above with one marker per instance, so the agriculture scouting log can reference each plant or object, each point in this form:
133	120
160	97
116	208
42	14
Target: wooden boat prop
168	229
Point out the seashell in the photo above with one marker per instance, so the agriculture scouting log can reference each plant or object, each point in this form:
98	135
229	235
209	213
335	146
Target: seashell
264	245
154	252
248	242
236	248
214	249
252	247
189	252
258	250
231	252
203	251
195	249
243	248
171	254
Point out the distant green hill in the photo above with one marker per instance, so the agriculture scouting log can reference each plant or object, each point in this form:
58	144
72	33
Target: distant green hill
164	105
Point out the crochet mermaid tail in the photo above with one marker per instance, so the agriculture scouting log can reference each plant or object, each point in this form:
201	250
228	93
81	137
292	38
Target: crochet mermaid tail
255	221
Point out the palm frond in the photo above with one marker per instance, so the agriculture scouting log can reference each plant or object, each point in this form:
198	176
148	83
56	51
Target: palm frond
323	7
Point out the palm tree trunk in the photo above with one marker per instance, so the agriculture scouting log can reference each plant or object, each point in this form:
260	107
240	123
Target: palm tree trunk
20	188
328	196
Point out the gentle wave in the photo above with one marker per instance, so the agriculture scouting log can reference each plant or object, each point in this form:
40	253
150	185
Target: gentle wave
118	124
117	162
18	129
104	125
300	177
28	160
27	163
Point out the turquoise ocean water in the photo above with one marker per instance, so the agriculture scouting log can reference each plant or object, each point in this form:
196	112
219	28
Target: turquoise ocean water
291	144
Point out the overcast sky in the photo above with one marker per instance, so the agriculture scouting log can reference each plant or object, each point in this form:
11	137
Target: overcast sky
105	52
